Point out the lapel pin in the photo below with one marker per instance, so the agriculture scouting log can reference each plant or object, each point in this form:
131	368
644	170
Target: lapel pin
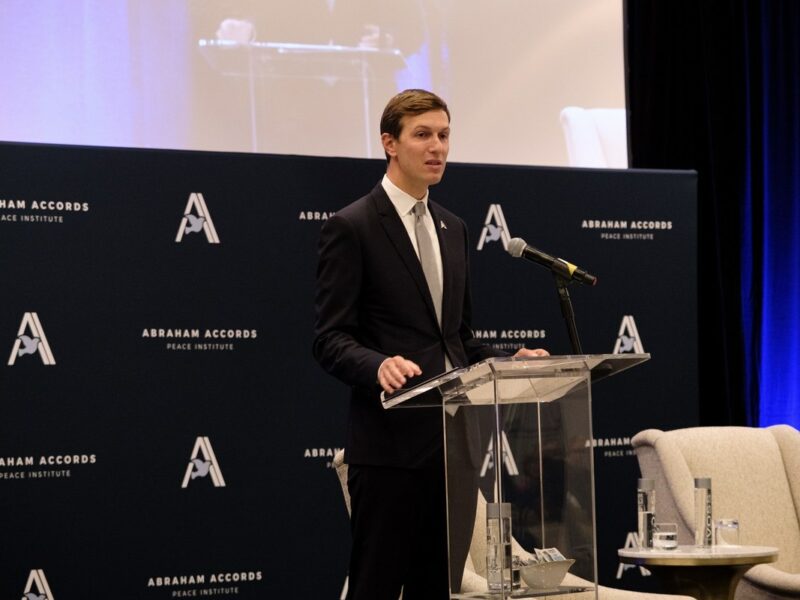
442	225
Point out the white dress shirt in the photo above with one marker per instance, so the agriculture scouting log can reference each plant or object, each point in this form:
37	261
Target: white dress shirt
404	205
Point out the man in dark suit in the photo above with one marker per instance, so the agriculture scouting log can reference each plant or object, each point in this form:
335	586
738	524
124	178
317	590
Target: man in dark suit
393	307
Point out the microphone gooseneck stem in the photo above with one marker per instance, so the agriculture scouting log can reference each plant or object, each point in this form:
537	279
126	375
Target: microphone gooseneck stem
568	313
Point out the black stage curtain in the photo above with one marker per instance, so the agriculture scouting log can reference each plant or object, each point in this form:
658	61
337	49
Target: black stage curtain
697	71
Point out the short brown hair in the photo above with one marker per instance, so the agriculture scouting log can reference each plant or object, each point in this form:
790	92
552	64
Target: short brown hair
409	102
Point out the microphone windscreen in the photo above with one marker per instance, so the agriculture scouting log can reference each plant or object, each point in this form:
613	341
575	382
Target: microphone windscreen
516	246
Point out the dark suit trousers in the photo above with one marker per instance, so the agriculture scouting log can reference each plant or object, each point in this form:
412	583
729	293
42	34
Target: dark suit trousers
399	528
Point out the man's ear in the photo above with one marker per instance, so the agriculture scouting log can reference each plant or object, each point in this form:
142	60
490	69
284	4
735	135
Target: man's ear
388	141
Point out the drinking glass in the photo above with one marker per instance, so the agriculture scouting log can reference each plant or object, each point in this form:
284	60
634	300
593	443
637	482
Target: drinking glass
665	536
726	532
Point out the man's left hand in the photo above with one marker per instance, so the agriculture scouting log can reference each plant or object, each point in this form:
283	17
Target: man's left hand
528	353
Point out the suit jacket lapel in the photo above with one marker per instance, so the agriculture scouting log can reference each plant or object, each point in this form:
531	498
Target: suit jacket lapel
451	247
448	255
397	234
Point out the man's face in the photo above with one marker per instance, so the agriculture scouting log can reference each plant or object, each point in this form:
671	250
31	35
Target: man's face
419	155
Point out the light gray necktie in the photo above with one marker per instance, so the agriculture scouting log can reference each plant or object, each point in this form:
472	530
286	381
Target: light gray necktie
427	258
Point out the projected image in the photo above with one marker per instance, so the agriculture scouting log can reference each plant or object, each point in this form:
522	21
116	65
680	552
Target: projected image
307	76
310	77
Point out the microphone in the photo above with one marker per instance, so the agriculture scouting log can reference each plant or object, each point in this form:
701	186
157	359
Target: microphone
518	248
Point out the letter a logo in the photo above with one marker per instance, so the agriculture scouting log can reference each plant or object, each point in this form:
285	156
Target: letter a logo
37	580
205	466
195	218
631	541
494	228
628	340
31	339
508	458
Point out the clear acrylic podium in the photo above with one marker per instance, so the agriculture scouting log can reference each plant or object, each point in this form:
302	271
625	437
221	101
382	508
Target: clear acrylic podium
518	433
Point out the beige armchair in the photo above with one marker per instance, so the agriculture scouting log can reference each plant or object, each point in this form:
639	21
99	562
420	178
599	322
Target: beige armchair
755	477
474	579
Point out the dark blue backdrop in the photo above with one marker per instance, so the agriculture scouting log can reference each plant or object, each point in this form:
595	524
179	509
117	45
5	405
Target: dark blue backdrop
164	430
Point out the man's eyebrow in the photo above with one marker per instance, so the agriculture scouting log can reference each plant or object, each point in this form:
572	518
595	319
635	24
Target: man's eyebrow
429	128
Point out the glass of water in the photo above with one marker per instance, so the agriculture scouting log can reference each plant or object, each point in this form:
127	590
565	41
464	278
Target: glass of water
665	536
726	532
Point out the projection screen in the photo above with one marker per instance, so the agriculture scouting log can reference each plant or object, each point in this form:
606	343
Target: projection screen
307	77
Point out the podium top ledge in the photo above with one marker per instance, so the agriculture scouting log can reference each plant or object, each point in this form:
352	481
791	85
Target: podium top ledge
284	48
508	380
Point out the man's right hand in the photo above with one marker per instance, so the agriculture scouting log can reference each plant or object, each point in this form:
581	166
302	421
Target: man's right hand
394	371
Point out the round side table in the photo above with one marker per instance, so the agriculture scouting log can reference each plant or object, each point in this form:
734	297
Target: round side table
705	573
